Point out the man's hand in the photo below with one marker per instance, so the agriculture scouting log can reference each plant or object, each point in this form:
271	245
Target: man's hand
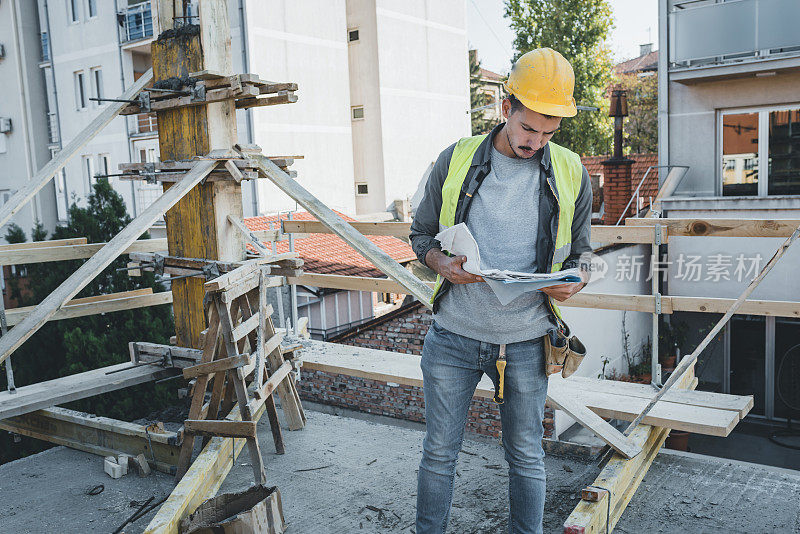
450	267
562	292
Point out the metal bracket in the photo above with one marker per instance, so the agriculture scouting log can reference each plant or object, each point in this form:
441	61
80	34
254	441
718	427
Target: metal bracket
166	360
657	241
144	102
199	93
149	173
658	303
158	264
211	271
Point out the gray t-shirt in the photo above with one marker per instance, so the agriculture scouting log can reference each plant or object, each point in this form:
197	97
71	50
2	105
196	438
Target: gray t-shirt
504	218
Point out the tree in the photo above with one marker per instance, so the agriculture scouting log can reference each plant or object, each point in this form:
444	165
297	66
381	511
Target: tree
578	29
477	98
641	124
71	346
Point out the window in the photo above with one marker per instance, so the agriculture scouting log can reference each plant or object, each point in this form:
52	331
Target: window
92	8
62	198
80	91
352	35
358	112
97	83
103	164
88	171
362	189
72	8
761	152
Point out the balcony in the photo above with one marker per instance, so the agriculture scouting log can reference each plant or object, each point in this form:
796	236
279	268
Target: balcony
146	123
45	47
136	22
52	129
735	37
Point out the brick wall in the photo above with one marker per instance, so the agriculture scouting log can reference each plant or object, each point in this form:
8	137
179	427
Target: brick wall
616	189
400	334
394	400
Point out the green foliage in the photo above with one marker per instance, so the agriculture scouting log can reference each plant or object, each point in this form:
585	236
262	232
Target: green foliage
15	234
578	29
71	346
477	98
641	124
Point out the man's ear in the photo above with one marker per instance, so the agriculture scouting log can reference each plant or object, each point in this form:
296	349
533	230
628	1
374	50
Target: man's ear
505	108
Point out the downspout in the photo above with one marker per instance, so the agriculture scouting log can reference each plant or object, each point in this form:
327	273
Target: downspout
127	123
53	75
24	108
248	114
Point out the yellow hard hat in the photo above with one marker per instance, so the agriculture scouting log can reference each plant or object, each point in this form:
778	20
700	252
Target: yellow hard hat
543	80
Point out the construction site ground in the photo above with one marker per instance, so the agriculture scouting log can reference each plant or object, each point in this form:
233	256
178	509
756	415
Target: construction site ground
350	472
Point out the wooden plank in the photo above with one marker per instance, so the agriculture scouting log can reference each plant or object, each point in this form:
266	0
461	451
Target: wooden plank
695	419
201	481
216	366
354	283
380	259
396	229
775	308
244	271
723	227
97	435
610	301
41	178
250	236
77	386
622	478
74	309
266	390
42	244
217	427
86	272
738	403
245	327
74	252
623	234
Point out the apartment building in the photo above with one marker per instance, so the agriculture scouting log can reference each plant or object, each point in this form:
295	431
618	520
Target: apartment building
729	109
375	107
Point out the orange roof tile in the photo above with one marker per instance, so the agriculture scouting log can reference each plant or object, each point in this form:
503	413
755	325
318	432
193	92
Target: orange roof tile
328	253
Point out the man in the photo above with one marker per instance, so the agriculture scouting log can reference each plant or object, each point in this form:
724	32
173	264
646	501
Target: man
527	201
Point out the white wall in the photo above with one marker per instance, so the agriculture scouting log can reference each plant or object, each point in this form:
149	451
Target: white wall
23	150
302	42
424	87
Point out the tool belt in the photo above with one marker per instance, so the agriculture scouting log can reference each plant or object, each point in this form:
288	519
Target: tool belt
562	353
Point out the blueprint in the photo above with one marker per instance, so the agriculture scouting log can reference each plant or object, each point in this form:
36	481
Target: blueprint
507	285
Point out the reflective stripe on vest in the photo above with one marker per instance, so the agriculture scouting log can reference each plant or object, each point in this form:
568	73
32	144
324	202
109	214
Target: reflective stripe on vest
567	171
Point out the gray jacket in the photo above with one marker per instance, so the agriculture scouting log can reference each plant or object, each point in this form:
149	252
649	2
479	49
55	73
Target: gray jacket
426	220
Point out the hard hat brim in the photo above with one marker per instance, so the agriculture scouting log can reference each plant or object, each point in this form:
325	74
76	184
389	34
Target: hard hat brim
556	110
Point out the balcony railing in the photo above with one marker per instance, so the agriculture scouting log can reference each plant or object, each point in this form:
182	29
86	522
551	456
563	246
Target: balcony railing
146	123
52	128
45	47
714	33
137	22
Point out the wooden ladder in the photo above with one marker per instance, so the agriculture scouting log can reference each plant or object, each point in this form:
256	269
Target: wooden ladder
244	362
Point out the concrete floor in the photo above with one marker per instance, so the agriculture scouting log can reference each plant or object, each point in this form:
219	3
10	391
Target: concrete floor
358	474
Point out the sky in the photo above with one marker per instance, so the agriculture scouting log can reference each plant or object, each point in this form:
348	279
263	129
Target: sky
489	32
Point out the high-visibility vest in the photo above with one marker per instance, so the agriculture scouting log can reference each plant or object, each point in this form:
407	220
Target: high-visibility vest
567	171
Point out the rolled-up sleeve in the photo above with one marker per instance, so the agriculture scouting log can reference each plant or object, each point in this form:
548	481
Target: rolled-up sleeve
426	219
581	225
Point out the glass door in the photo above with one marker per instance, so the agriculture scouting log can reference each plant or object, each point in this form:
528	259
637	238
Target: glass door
747	356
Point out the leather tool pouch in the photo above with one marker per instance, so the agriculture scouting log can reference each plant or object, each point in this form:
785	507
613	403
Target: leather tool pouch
562	353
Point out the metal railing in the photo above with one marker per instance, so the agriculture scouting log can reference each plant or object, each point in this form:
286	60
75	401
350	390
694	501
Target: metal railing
52	128
146	123
137	22
45	47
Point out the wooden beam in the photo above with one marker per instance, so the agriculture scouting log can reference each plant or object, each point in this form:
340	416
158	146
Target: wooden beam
77	386
621	477
97	435
722	227
380	259
197	226
111	303
353	283
86	272
40	179
775	308
74	252
216	366
217	427
201	481
42	244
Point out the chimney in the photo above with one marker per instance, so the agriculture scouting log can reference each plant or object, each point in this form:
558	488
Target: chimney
645	49
617	169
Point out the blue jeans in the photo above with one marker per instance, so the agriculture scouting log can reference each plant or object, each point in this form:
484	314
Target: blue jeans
452	366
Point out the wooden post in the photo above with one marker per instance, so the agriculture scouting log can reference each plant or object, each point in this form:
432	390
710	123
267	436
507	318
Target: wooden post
197	226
